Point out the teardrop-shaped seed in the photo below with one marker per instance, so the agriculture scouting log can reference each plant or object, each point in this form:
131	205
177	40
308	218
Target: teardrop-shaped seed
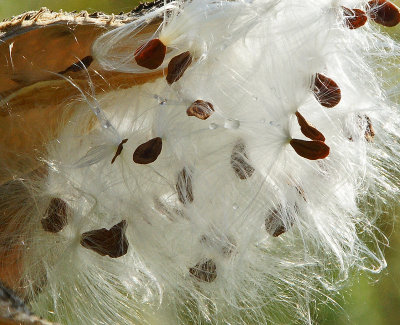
354	18
274	224
239	163
200	109
204	271
312	150
148	152
308	130
151	55
119	150
369	130
56	216
326	91
111	242
184	186
80	65
177	66
384	13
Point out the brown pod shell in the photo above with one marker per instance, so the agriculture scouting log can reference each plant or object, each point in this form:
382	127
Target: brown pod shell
308	130
384	13
184	186
177	66
239	163
148	152
111	242
204	271
311	150
119	150
200	109
56	216
354	18
326	91
151	55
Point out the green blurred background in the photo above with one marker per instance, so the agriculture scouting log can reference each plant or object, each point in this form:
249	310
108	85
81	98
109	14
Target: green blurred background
370	299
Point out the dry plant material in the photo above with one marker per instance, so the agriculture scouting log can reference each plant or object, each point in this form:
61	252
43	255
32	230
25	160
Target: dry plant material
354	18
200	109
369	130
151	55
274	224
148	152
80	65
239	163
111	242
119	150
56	216
177	66
384	13
326	91
204	271
184	186
311	150
308	130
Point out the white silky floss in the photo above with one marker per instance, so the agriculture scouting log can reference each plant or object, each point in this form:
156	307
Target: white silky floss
232	222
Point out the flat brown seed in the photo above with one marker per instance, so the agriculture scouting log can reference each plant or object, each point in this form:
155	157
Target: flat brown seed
204	271
56	216
119	150
369	130
111	242
239	163
311	150
326	91
200	109
151	55
274	224
177	66
384	13
80	65
148	152
308	130
184	186
354	18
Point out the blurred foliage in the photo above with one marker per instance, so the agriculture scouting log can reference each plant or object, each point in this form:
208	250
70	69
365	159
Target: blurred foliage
371	299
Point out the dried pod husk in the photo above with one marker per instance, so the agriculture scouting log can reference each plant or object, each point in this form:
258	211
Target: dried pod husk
80	65
200	109
239	163
148	152
119	150
326	91
184	186
384	13
177	66
354	18
111	242
56	216
204	271
151	55
311	150
308	130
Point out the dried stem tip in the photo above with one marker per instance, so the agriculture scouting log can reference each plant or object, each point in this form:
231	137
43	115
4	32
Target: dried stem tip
56	216
205	272
311	150
200	109
107	242
326	91
384	13
148	152
177	66
308	130
151	55
354	18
